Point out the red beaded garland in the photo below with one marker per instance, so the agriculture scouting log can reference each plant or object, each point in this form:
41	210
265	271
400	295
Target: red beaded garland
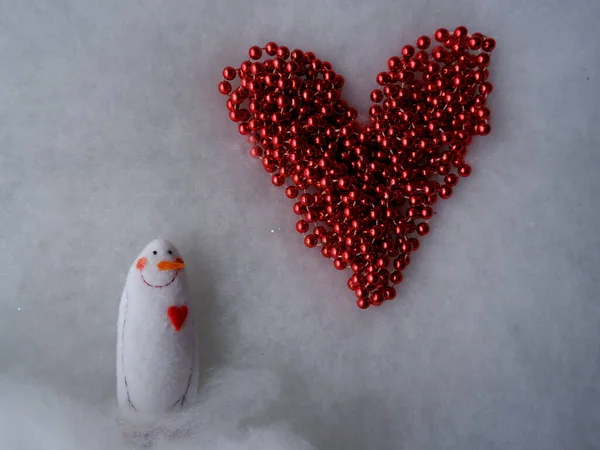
364	193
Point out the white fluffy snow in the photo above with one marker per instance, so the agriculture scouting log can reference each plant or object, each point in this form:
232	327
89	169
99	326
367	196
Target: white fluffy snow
112	132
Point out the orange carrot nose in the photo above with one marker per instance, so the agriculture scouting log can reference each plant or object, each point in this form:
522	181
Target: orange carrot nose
171	265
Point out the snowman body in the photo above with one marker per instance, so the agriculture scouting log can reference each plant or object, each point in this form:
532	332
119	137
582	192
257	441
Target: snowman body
157	368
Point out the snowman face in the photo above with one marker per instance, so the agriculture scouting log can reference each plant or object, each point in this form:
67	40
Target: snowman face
159	264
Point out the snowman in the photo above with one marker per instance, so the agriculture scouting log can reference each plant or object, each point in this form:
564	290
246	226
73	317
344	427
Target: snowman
157	367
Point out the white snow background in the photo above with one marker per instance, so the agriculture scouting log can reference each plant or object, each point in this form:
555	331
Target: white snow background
112	133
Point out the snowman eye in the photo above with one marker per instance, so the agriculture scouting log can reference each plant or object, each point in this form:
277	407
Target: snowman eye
170	252
154	252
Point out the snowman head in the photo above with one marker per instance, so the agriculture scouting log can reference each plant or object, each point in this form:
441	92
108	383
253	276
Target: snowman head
159	264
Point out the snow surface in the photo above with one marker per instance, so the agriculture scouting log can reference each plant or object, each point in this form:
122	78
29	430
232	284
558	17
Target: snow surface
112	133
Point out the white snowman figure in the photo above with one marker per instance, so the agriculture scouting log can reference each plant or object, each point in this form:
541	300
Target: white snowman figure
157	367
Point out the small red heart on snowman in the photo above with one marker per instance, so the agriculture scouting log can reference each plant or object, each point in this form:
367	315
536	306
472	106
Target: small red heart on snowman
177	316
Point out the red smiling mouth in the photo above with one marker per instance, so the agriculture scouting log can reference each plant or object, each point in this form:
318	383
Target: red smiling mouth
159	286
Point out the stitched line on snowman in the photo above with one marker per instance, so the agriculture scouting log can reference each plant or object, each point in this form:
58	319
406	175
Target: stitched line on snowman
182	399
131	405
162	286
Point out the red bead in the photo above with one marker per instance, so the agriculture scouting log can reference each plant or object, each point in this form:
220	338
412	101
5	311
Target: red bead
483	60
256	152
319	231
224	87
310	241
446	192
382	263
299	208
244	129
423	229
296	54
475	43
389	293
256	69
400	264
291	192
271	48
408	51
486	88
441	35
255	52
461	32
236	98
361	292
229	73
443	169
394	62
396	277
431	200
484	129
464	170
438	53
488	45
372	278
482	112
451	179
254	86
291	67
302	226
383	78
376	96
307	199
428	189
311	217
283	52
414	243
363	303
423	42
377	298
340	264
245	67
277	180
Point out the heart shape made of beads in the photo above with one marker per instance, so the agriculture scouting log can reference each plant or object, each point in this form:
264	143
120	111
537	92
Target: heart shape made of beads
364	193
